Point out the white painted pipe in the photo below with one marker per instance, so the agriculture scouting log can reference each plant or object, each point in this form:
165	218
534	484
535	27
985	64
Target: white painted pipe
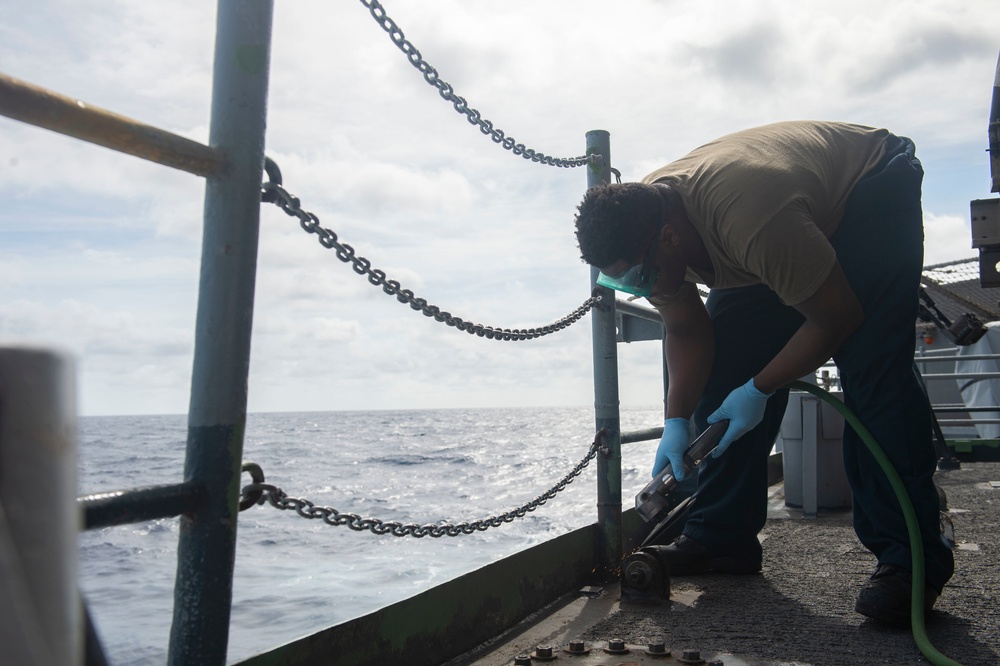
40	612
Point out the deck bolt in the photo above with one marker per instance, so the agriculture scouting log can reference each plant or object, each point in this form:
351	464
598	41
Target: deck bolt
577	646
522	660
543	653
716	662
657	648
691	657
616	646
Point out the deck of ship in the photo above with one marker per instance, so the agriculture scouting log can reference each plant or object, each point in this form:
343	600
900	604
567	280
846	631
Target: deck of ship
800	609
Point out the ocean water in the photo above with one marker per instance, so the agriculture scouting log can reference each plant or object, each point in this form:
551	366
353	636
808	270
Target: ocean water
295	576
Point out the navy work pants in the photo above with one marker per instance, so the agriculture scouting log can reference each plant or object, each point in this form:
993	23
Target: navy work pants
879	244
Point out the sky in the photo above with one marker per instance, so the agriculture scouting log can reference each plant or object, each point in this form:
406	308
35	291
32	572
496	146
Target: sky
100	252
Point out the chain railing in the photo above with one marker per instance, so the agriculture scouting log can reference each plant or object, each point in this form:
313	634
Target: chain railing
460	103
273	192
259	492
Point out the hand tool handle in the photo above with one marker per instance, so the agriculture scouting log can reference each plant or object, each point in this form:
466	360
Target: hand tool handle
650	501
703	445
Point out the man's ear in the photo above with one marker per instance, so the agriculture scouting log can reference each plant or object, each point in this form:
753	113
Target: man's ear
669	235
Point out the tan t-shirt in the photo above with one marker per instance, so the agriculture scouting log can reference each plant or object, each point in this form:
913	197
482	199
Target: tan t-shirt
766	200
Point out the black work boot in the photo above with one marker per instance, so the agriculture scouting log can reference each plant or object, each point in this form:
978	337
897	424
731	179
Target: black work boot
887	594
685	557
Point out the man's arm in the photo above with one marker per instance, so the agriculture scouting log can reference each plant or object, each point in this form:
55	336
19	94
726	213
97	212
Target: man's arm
832	314
689	347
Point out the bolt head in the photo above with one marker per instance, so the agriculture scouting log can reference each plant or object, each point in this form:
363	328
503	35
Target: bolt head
616	646
691	657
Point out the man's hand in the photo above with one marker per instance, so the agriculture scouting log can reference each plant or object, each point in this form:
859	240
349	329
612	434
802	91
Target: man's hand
676	433
744	408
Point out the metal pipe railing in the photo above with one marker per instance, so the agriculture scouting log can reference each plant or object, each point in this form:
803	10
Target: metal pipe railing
638	311
958	407
206	548
970	357
643	435
136	505
962	375
606	411
43	108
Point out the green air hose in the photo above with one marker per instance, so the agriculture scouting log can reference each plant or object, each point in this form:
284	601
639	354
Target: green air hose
913	531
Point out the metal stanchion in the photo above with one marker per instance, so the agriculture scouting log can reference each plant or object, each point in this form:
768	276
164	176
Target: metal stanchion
40	612
606	402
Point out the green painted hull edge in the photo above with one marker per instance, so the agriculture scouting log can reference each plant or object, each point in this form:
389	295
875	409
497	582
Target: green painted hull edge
969	445
454	617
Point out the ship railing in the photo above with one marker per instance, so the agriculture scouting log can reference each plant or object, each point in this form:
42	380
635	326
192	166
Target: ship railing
635	322
960	379
206	499
968	417
232	165
956	417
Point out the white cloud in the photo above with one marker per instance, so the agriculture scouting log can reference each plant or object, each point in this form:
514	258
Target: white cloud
946	237
99	252
92	331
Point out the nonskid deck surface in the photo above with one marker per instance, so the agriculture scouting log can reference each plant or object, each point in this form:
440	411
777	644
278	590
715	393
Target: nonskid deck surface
800	609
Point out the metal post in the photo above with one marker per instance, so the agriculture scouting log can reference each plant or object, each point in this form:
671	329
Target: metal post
40	611
609	472
810	456
217	413
994	132
666	374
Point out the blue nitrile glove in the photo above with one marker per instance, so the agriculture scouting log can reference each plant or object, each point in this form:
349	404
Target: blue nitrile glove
676	434
744	408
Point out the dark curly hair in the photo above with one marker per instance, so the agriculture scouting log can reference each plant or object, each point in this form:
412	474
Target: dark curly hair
613	220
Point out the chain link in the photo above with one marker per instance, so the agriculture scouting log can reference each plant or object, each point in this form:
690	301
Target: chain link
460	103
273	192
259	492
